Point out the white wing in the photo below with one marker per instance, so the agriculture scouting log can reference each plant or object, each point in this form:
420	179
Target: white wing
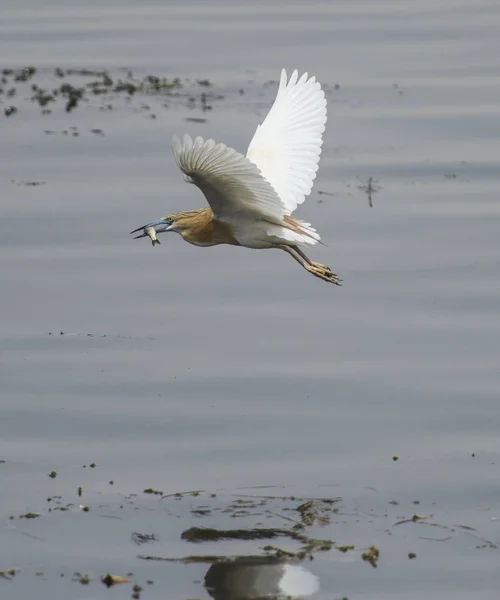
287	145
230	182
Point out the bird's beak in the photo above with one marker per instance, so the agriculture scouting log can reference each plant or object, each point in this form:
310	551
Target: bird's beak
156	224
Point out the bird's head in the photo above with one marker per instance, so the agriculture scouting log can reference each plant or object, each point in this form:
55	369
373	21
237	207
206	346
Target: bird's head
159	226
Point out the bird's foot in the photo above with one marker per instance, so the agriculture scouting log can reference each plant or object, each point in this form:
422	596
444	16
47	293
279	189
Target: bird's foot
320	266
325	273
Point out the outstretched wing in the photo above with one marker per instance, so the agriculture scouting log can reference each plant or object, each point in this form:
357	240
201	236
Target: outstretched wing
287	145
230	182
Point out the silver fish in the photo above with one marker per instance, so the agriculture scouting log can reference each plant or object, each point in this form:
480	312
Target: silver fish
147	231
151	231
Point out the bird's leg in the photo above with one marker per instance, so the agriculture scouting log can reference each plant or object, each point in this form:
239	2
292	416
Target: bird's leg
316	269
313	263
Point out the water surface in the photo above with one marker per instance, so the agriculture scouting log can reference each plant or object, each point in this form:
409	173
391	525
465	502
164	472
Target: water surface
221	368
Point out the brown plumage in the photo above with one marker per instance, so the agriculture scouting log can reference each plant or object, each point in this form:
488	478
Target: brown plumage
198	227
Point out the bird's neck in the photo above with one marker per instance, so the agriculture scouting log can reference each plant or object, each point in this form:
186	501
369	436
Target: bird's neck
198	227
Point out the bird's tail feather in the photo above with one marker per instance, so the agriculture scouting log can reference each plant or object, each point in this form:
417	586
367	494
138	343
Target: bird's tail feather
294	231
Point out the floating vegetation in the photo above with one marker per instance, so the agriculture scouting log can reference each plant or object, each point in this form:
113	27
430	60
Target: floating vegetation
7	573
43	98
143	538
317	511
187	560
24	74
371	555
345	548
72	88
154	492
203	534
370	187
277	532
83	579
30	183
110	580
413	519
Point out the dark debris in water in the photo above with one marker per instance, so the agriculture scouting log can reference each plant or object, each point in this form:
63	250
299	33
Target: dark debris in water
94	335
143	538
371	555
7	573
290	537
24	74
154	492
31	183
345	548
203	534
109	580
84	579
73	88
317	511
370	187
414	519
186	560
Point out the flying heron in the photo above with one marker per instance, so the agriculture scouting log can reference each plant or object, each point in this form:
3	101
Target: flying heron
251	199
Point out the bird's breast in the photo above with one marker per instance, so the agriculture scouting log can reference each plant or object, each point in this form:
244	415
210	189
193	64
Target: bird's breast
211	233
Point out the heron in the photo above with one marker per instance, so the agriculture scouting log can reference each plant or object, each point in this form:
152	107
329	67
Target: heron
251	198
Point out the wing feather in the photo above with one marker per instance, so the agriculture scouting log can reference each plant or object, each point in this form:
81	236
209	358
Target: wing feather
286	147
230	182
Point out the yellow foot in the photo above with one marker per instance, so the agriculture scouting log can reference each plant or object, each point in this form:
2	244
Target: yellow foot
320	267
325	273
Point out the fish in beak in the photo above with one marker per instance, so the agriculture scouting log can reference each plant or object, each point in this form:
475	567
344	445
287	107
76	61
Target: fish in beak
151	229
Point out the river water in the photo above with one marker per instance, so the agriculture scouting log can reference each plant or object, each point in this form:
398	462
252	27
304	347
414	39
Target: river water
223	368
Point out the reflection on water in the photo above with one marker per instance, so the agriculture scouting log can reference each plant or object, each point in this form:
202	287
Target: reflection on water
254	577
